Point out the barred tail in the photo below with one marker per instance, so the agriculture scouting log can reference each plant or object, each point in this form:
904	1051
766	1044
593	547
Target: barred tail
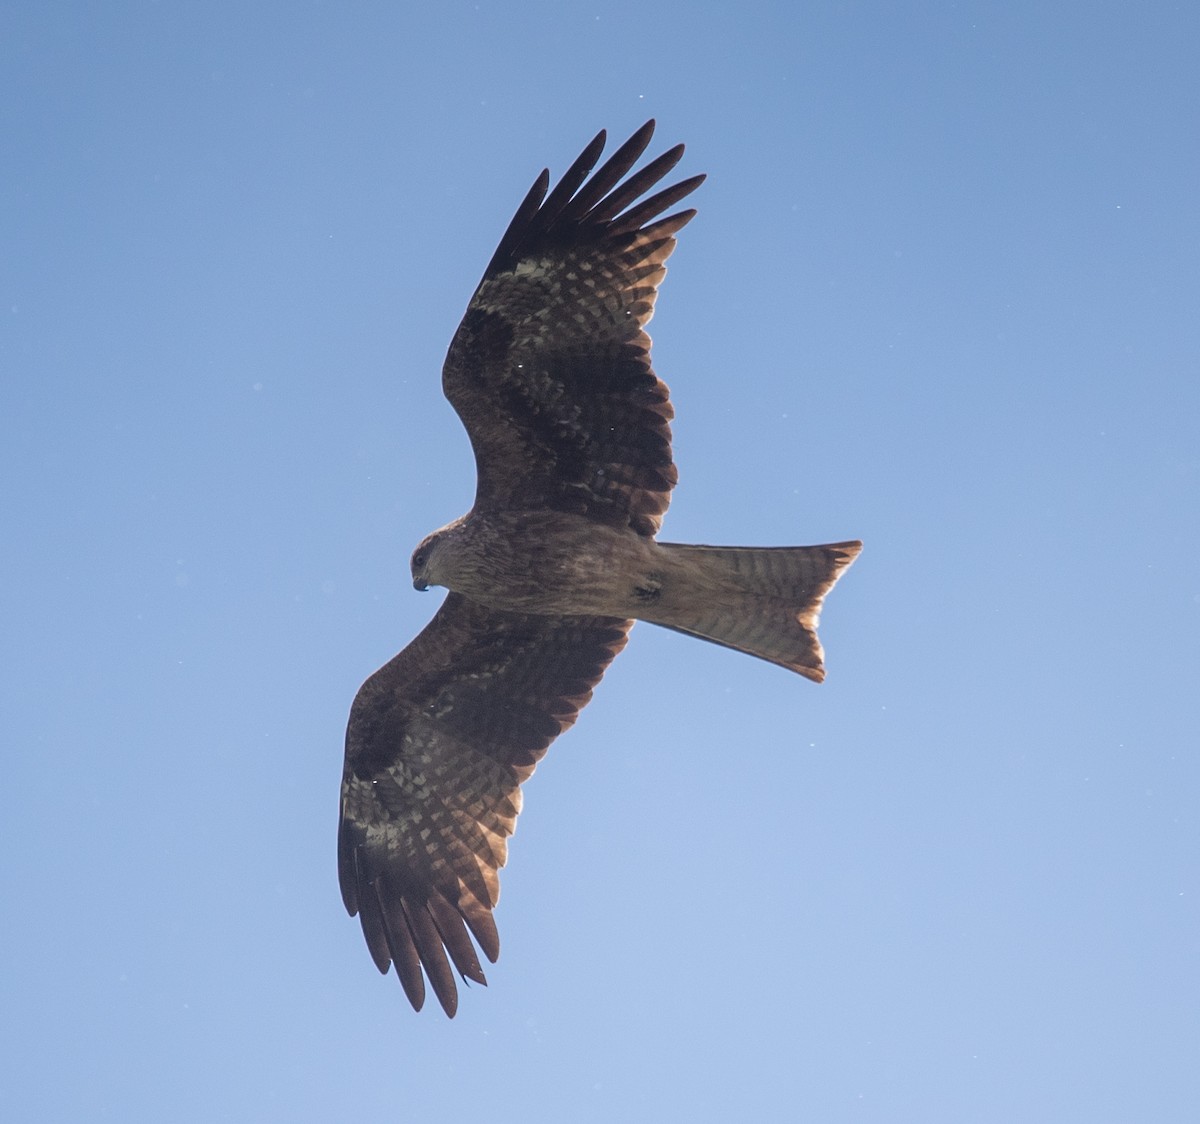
765	601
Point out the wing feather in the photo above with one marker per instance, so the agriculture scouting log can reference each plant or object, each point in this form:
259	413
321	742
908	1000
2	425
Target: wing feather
389	918
609	174
428	943
638	216
640	182
439	742
550	369
566	187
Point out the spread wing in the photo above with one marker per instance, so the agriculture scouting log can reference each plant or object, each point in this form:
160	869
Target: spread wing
439	741
550	368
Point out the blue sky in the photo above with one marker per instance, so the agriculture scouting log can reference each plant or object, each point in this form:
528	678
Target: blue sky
941	295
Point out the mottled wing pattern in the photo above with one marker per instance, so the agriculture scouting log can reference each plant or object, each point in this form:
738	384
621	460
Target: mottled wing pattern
550	368
439	742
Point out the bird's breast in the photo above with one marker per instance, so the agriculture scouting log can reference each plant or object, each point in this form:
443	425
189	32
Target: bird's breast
551	563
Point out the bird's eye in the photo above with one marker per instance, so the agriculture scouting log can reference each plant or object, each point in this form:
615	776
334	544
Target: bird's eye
419	560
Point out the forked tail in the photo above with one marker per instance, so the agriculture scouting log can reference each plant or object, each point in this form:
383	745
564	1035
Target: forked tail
765	601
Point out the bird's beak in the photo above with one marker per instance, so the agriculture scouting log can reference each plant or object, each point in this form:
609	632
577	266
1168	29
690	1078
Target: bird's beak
420	586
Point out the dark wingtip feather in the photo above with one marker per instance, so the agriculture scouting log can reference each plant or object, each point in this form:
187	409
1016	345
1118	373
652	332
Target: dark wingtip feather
432	953
375	934
483	929
609	174
520	221
453	932
625	193
566	187
347	860
584	200
636	217
400	946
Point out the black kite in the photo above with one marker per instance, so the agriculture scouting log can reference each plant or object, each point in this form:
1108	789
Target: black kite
550	373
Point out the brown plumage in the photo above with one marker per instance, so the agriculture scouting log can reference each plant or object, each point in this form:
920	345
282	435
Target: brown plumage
550	373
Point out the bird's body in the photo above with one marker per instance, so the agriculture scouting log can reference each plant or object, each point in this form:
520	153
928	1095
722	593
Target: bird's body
550	373
760	600
544	562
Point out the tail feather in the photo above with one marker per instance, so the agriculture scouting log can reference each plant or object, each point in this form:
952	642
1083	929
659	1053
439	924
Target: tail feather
765	601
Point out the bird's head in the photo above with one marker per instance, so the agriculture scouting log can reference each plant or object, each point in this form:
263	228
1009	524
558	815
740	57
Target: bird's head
424	563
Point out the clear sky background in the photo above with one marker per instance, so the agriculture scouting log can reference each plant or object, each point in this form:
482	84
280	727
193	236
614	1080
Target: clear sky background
942	295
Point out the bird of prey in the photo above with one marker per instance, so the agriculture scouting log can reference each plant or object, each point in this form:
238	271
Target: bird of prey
550	373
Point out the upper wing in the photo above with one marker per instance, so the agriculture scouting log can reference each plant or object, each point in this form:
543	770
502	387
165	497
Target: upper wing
439	741
550	368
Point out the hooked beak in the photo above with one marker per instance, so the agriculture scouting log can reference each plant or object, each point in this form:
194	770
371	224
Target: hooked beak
420	586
